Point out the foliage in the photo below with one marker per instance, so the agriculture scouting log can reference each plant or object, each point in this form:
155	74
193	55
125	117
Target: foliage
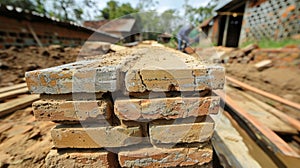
25	4
66	10
146	5
199	14
114	10
69	9
267	43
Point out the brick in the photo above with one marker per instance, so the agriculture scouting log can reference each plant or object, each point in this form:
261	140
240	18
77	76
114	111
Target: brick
79	158
139	70
163	157
93	136
64	110
165	108
182	131
263	65
163	69
174	80
81	76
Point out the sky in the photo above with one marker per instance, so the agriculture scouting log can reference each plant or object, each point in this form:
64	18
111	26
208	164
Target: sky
162	4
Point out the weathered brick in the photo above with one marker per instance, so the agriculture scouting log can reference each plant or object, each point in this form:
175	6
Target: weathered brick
81	158
182	131
163	157
81	76
165	108
64	110
139	69
163	69
75	136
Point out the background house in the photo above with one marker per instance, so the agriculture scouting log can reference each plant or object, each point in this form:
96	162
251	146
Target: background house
124	28
22	28
239	21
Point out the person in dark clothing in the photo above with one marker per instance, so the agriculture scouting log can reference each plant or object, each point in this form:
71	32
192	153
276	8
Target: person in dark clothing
183	36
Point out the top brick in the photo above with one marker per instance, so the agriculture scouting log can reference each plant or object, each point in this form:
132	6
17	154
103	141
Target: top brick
133	70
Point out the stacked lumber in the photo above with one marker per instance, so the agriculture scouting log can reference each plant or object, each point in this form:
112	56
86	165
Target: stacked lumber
14	98
140	107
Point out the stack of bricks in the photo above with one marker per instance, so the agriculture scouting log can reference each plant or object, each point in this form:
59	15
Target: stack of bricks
141	107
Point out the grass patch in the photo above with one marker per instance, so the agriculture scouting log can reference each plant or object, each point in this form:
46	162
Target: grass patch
266	43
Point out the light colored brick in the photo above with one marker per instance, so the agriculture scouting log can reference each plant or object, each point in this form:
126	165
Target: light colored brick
163	69
165	108
181	132
74	136
81	76
64	110
162	157
138	69
79	158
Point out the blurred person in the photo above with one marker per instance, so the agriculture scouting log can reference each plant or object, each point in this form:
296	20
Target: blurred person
183	37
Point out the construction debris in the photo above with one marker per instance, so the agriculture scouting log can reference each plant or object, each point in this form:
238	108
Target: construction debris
170	130
263	65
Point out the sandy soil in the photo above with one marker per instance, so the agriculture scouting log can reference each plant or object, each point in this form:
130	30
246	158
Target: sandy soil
24	142
15	62
281	82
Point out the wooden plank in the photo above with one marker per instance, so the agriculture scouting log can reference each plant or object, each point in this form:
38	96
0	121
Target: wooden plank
263	93
293	122
229	145
14	87
16	104
13	93
270	120
262	132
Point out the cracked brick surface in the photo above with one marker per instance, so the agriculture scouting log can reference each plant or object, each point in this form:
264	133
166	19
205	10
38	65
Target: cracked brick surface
182	131
162	157
133	70
79	158
165	108
75	136
67	110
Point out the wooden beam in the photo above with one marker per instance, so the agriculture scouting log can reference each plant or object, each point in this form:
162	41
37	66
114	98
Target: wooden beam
232	148
13	93
251	106
226	31
262	132
34	35
17	104
263	93
14	87
293	122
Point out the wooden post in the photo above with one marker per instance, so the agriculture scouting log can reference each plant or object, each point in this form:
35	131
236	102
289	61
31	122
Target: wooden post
226	30
34	35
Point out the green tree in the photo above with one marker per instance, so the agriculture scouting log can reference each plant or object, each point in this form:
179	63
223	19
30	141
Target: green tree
114	10
25	4
199	14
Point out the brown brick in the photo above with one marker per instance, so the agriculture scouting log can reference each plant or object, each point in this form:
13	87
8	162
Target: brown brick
165	108
75	136
62	110
181	132
163	157
79	158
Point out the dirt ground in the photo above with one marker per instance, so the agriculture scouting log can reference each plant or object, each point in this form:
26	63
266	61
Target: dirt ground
281	82
25	142
15	62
